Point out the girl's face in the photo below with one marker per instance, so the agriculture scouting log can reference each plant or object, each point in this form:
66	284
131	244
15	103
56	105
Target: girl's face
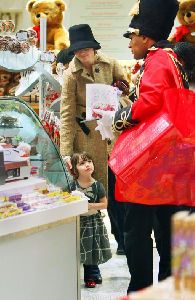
86	56
85	167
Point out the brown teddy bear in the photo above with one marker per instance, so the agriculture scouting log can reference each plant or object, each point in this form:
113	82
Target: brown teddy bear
186	16
52	10
8	82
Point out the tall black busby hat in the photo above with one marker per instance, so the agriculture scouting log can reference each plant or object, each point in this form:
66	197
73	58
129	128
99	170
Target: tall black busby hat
153	18
81	37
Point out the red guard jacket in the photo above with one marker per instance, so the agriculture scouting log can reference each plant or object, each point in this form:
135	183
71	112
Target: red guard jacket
161	72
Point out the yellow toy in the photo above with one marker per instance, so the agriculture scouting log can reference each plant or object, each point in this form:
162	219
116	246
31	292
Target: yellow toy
52	10
186	16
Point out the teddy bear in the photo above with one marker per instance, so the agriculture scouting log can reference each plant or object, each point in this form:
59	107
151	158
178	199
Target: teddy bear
8	82
52	10
186	17
5	80
11	87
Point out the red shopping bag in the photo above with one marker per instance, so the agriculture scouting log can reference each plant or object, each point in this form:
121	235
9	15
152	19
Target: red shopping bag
168	180
180	106
142	145
154	162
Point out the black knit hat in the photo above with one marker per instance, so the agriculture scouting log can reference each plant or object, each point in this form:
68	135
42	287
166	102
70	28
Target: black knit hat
64	57
153	18
81	37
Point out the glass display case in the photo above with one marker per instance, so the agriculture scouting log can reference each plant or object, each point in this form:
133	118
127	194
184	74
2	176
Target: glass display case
39	223
26	149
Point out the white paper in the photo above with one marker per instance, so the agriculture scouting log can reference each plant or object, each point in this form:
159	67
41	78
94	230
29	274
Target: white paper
100	96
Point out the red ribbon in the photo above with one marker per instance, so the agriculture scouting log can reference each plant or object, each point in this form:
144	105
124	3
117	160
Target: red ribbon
181	31
37	29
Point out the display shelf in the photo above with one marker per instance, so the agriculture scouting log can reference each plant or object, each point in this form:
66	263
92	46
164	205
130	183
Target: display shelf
40	249
43	265
24	185
27	85
37	218
12	62
39	67
55	106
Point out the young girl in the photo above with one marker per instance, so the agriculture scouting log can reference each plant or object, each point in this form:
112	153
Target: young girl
94	243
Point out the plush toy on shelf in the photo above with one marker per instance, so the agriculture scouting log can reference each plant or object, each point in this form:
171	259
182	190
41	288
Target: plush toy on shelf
186	16
8	82
52	10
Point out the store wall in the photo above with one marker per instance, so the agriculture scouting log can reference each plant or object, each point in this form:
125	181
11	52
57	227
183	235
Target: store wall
15	9
108	19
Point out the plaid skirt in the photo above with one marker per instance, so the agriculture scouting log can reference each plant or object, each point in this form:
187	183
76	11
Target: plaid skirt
94	242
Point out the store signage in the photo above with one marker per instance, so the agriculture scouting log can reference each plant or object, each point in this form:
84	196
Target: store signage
108	20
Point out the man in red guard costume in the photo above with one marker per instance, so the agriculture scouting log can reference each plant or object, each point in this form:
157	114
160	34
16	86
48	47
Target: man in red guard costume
148	31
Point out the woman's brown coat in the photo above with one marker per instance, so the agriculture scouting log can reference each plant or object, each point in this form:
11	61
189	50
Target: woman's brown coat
73	104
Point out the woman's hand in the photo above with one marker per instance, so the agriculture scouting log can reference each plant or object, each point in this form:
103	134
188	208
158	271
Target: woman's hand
67	162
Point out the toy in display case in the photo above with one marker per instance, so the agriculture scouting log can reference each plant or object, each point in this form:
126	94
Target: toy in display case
25	147
16	163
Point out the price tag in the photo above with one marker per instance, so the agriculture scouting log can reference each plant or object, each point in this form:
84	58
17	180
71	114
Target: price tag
48	56
22	35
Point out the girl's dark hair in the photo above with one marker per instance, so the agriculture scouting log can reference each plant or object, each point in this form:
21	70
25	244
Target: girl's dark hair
75	160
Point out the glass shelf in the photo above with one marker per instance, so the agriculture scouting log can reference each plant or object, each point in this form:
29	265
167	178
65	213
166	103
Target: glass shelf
12	62
44	154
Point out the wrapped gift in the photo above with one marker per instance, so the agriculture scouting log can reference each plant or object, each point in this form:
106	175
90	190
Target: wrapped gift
154	161
180	105
142	145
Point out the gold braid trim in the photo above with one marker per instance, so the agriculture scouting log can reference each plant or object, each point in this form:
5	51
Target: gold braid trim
137	84
123	122
180	74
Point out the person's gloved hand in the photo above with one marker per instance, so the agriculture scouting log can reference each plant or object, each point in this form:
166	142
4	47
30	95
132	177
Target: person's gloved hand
105	123
105	131
100	128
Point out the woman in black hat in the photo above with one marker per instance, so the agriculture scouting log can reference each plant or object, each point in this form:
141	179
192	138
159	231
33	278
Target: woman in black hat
87	67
